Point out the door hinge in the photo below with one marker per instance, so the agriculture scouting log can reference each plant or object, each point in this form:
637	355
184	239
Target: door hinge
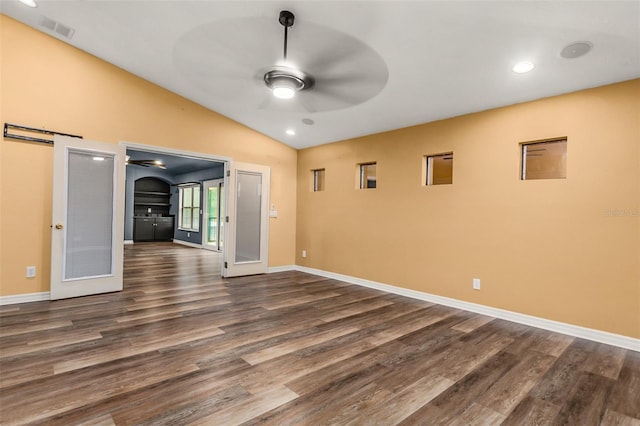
228	173
225	265
226	219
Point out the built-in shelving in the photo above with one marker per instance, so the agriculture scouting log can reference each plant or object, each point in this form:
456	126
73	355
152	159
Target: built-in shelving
152	197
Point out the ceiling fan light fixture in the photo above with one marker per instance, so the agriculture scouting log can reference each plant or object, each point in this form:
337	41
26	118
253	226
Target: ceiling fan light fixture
283	92
285	83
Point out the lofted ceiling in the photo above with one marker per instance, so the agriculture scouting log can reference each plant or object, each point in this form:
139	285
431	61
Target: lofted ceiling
377	65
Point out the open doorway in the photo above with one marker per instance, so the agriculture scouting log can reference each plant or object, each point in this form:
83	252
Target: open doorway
166	198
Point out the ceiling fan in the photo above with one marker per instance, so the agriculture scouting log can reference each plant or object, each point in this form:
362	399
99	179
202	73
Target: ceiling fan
320	69
286	81
146	163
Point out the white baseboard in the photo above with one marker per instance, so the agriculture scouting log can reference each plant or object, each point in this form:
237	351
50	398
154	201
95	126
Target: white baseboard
128	242
187	243
546	324
24	298
284	268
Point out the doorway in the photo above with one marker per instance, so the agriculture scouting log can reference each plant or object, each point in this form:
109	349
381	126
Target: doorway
243	199
185	205
214	208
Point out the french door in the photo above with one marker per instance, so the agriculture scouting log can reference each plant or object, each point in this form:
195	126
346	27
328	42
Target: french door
247	242
214	208
87	217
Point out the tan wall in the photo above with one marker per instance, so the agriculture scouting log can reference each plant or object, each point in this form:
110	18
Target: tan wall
566	249
48	84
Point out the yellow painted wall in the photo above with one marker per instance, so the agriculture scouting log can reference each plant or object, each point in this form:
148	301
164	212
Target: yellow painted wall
566	250
45	83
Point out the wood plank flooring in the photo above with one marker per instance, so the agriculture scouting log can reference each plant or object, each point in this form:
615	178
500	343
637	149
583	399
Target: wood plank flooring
180	345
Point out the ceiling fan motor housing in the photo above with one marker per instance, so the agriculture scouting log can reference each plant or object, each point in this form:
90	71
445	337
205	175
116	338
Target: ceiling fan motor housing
295	79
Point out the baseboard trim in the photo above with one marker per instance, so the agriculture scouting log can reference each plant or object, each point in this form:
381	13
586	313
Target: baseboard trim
24	298
188	244
284	268
128	242
546	324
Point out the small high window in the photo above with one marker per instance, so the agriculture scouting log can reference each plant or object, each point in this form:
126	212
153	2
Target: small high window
367	176
318	180
544	159
439	169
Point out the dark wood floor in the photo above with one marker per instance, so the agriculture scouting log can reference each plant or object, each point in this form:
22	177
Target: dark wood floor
181	346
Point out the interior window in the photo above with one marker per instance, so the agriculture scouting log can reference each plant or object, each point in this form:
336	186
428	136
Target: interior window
544	160
439	170
368	178
318	179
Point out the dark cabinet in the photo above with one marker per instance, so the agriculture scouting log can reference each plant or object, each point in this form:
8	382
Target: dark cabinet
152	228
164	228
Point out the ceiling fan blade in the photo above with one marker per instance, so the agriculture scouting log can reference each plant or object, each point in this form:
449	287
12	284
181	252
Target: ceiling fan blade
222	60
266	103
333	57
306	103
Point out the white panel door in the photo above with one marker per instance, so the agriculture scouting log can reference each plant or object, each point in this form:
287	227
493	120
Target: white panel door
247	238
88	217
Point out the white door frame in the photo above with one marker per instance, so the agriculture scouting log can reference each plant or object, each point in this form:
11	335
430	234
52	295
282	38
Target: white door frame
190	154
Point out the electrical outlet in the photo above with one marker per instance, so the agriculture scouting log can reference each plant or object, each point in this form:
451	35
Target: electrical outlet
476	283
188	234
31	271
304	253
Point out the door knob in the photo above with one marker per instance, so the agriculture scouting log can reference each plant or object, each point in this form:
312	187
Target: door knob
59	226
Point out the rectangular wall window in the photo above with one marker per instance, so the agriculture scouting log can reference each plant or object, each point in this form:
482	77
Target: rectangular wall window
189	212
318	180
367	176
439	169
544	159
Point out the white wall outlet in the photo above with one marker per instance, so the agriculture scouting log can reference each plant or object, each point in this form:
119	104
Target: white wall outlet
31	271
188	234
273	213
476	283
304	253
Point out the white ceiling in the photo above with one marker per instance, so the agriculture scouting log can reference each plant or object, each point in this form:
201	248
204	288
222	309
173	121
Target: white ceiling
429	59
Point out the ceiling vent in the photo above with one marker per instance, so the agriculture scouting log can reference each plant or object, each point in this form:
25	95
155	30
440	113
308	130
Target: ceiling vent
57	27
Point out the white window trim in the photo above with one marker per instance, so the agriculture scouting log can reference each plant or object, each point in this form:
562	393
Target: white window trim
180	189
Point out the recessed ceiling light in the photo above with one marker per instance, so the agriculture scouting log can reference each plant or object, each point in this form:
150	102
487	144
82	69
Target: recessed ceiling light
522	67
290	132
30	3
